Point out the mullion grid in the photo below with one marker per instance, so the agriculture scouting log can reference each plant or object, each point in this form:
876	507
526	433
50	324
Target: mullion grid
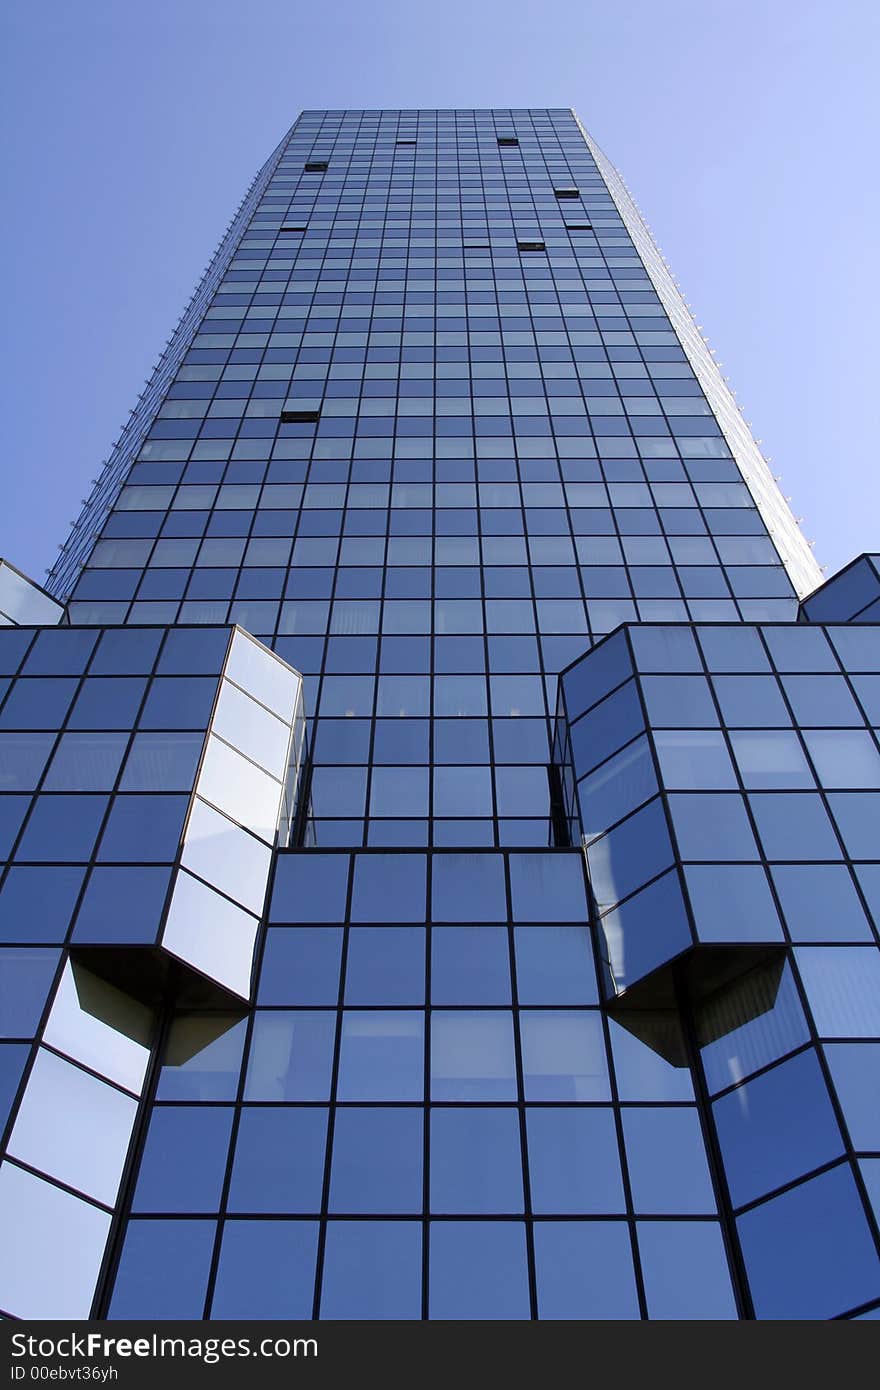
427	1218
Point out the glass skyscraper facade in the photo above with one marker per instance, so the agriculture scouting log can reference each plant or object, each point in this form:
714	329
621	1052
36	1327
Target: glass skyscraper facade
438	794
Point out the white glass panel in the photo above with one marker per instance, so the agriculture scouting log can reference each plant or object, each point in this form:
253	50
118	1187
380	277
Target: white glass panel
211	933
51	1250
252	729
97	1024
23	602
226	856
73	1127
240	789
263	675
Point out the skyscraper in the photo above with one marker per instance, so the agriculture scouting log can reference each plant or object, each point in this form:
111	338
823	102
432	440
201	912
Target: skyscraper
353	964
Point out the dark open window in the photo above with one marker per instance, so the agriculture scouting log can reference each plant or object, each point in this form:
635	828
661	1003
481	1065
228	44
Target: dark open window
579	226
300	417
316	166
293	229
507	141
567	192
530	246
404	142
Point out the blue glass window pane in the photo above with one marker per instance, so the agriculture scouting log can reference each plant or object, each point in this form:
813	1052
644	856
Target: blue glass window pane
476	1160
266	1270
23	757
820	903
40	703
162	762
381	1056
770	758
342	740
585	1271
377	1160
617	787
685	1270
191	651
627	857
13	645
667	1161
664	649
843	989
372	1270
809	1253
301	966
596	675
62	827
470	965
122	904
455	696
478	1270
868	690
107	702
844	757
279	1159
472	1056
606	728
649	928
751	702
184	1159
712	827
126	652
25	980
732	902
794	826
799	649
574	1163
694	760
338	791
396	741
858	648
143	828
554	965
86	762
732	649
174	703
468	888
821	700
462	791
37	904
857	815
855	1073
163	1272
399	791
310	887
547	887
563	1055
291	1056
385	965
389	887
776	1128
680	702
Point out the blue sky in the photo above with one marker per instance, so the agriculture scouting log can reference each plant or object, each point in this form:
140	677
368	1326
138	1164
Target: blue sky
747	130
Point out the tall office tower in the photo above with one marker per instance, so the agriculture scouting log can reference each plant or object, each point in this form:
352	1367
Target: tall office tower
354	964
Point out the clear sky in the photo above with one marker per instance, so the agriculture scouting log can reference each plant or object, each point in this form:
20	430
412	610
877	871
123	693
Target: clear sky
746	129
